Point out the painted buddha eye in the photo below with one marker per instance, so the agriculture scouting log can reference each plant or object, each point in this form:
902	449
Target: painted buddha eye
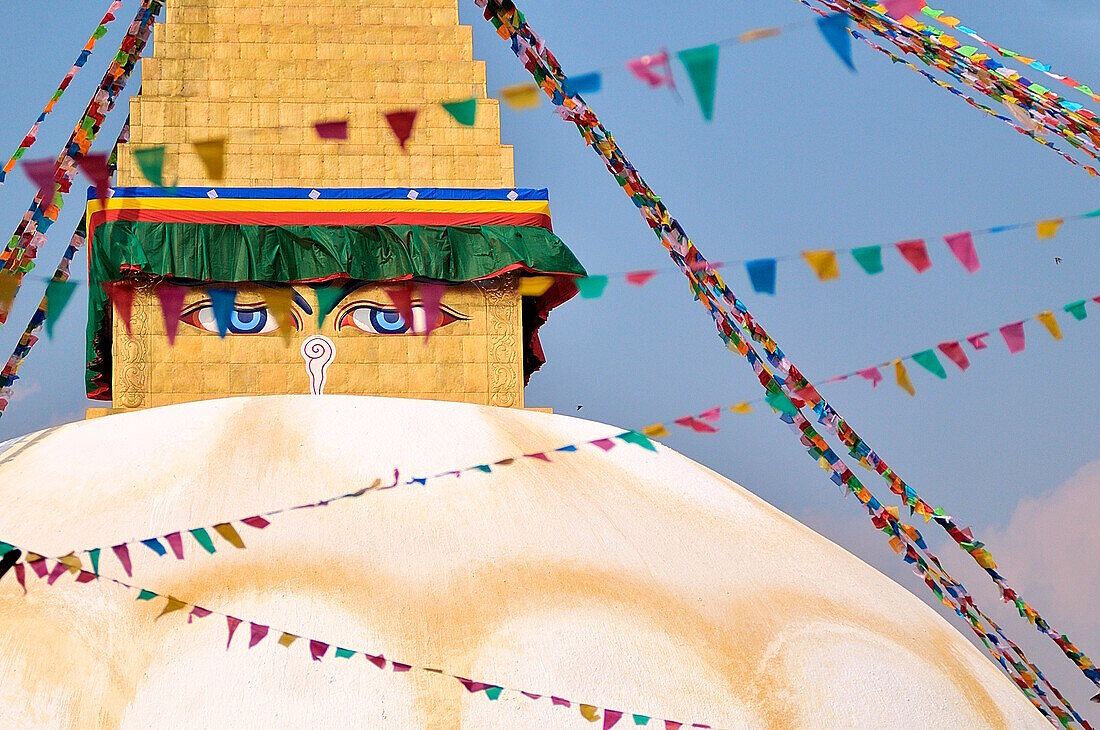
243	320
377	320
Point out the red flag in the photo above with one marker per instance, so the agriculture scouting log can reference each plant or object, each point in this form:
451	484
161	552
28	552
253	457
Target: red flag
962	245
399	667
640	278
401	296
431	293
695	425
540	456
712	415
96	168
43	173
232	623
170	297
378	661
978	341
123	554
916	253
402	124
955	353
472	686
85	577
57	572
317	649
121	294
673	725
336	129
257	634
258	522
654	70
21	576
176	543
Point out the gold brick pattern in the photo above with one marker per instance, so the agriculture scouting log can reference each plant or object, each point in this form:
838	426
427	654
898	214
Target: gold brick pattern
259	73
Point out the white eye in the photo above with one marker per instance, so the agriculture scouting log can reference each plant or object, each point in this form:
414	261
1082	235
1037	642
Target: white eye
384	321
242	320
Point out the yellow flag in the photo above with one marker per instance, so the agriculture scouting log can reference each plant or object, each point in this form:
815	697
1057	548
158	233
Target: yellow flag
287	639
1048	229
590	713
230	535
521	96
742	408
212	154
8	285
903	378
72	563
535	286
758	34
1048	320
174	604
823	263
279	301
656	431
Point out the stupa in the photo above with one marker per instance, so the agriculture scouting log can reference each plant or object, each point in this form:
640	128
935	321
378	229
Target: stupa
579	574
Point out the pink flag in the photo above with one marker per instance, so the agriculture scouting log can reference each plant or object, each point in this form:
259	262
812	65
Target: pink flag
257	633
332	130
655	70
43	174
540	456
978	341
198	612
170	297
431	294
96	168
232	623
123	554
872	374
712	415
673	725
176	543
640	278
378	661
401	296
121	294
955	353
695	425
317	649
21	576
901	8
399	667
402	124
85	577
57	572
610	717
1014	336
605	444
916	253
39	567
962	245
560	702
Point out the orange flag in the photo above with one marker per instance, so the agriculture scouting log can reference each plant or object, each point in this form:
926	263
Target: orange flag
1049	229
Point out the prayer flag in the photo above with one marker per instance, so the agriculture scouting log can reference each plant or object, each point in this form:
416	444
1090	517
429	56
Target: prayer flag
521	96
835	29
695	425
344	653
43	174
1013	335
154	544
955	353
122	552
962	245
335	129
702	68
171	298
401	122
654	70
9	284
916	253
589	712
978	341
758	34
212	154
401	297
287	639
656	431
95	166
927	359
229	534
280	302
610	717
1048	229
901	8
872	374
121	294
202	537
257	633
175	541
903	378
1048	320
591	287
640	278
741	408
151	163
869	259
232	622
57	296
327	299
637	439
535	286
762	275
588	83
823	263
1077	309
464	112
431	293
173	605
222	301
317	649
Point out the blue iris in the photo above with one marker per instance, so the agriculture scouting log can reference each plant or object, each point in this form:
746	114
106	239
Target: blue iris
388	322
247	321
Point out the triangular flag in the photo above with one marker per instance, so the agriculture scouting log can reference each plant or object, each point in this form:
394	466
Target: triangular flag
1048	320
903	378
464	112
535	286
962	245
521	96
872	374
916	253
151	163
637	439
327	299
835	29
122	552
431	294
121	294
344	653
401	122
256	522
171	298
757	34
588	83
43	174
742	408
96	167
653	70
610	717
335	129
202	537
590	713
823	263
175	541
641	720
591	287
401	296
927	359
762	275
656	431
1077	309
257	633
978	341
222	301
229	534
955	353
695	424
154	544
232	622
317	649
869	259
640	278
1013	335
1048	229
57	296
702	68
280	302
212	154
173	605
901	8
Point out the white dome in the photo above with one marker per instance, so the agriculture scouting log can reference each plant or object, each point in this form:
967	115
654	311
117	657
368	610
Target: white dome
632	580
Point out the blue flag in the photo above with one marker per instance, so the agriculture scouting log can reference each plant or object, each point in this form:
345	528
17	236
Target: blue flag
835	29
762	275
584	84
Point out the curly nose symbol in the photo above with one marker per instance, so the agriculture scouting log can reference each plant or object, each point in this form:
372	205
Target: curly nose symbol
318	352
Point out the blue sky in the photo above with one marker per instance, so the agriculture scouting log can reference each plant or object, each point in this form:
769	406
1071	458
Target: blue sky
801	154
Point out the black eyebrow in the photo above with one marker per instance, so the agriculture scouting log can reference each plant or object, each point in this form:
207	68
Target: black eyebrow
346	290
298	298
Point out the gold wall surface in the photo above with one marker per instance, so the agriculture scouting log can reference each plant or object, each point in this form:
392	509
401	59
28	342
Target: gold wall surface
259	73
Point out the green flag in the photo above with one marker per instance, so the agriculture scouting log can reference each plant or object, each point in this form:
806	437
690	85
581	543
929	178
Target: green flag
869	258
146	595
202	537
638	439
780	402
464	112
327	299
702	67
151	162
592	287
930	362
1077	309
57	296
344	653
